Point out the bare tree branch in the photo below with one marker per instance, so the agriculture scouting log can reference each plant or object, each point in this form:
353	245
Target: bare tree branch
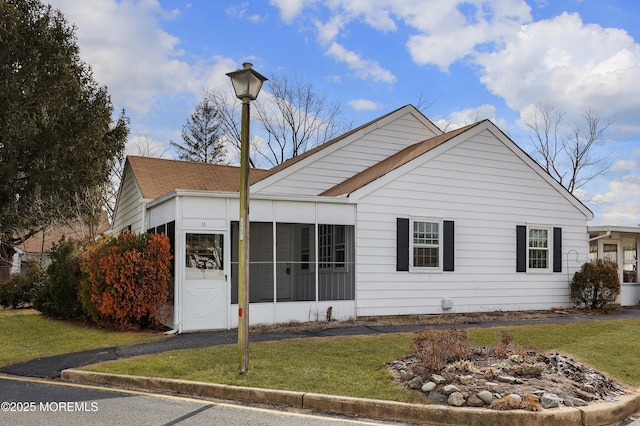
568	156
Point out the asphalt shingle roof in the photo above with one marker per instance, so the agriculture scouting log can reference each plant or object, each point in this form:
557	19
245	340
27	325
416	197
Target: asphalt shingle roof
158	176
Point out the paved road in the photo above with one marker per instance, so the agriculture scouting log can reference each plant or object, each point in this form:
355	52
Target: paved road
37	402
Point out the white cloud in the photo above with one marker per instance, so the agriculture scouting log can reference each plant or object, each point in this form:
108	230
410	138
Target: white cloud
444	31
559	61
570	65
129	52
363	105
327	32
620	204
365	69
144	145
290	9
630	164
240	11
458	119
622	214
625	166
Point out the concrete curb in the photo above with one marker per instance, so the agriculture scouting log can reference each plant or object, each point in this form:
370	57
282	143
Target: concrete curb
597	414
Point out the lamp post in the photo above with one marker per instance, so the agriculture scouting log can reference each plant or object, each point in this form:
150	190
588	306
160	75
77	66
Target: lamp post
246	83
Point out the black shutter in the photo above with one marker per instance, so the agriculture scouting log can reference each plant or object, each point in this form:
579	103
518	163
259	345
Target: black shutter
557	249
448	246
521	248
402	244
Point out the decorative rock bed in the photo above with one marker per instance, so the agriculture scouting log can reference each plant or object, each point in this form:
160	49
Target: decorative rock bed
525	380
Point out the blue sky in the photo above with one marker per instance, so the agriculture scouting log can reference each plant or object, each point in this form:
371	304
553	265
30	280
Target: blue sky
469	60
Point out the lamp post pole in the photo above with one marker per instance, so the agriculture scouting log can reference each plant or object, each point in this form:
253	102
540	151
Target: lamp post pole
243	244
246	83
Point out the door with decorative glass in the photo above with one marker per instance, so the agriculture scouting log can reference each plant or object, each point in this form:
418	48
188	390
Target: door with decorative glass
204	295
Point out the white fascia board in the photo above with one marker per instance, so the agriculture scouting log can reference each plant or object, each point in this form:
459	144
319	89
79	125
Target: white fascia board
235	195
622	229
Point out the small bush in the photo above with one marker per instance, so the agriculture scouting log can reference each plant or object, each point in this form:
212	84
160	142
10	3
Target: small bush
596	285
20	289
59	296
436	348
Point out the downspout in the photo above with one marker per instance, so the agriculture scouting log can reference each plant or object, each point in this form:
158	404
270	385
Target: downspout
606	235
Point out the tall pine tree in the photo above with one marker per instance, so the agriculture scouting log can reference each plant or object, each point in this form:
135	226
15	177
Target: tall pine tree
58	136
202	136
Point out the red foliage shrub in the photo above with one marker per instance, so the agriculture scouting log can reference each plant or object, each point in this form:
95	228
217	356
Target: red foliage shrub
127	279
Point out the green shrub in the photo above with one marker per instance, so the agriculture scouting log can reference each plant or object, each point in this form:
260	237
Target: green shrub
59	296
20	289
596	285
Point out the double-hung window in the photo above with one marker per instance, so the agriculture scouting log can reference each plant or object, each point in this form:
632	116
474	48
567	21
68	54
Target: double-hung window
426	244
538	247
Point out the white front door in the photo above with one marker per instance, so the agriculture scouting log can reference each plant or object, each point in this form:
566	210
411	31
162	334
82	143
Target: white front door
204	291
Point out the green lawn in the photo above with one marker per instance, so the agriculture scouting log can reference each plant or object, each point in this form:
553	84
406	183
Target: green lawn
27	335
356	366
350	366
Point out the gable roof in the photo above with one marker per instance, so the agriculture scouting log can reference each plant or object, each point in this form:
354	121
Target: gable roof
323	146
416	150
385	166
158	176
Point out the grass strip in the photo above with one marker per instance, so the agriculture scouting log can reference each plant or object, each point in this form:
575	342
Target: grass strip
27	335
356	365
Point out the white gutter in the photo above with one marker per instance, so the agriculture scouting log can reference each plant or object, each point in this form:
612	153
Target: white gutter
606	235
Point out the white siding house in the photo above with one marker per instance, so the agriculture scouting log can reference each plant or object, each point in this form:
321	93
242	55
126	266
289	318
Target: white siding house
392	218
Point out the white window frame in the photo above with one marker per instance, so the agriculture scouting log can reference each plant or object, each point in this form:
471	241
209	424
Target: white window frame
549	248
439	246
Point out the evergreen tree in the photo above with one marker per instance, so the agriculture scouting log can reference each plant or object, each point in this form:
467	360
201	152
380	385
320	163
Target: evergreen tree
202	136
57	135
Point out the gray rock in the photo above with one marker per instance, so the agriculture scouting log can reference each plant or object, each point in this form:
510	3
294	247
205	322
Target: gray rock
465	380
438	379
485	396
428	387
570	401
437	396
474	401
550	400
405	375
449	389
510	379
515	397
456	399
415	383
587	396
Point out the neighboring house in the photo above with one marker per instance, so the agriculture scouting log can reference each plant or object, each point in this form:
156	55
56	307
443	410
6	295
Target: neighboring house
39	246
392	218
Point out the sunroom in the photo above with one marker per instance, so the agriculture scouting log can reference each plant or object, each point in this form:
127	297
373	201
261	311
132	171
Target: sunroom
619	244
301	259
